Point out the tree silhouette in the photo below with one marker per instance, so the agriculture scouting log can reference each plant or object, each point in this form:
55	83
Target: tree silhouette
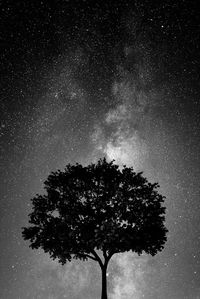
96	211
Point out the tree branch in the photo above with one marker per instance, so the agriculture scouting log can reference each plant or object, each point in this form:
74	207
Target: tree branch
90	257
110	255
104	254
97	258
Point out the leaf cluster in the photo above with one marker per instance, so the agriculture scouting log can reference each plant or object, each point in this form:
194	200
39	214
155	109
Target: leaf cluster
97	207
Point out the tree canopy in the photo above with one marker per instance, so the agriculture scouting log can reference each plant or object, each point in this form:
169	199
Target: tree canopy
97	207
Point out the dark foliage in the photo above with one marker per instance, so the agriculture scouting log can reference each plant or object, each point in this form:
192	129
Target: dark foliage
97	207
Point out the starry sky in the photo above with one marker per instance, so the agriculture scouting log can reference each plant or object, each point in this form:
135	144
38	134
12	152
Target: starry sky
86	79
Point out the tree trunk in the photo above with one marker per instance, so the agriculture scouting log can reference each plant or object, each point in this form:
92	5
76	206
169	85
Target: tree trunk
104	283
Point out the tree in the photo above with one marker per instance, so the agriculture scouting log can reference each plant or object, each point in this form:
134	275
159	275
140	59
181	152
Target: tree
97	209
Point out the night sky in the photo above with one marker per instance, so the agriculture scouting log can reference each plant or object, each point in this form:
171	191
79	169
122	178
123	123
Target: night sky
82	80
